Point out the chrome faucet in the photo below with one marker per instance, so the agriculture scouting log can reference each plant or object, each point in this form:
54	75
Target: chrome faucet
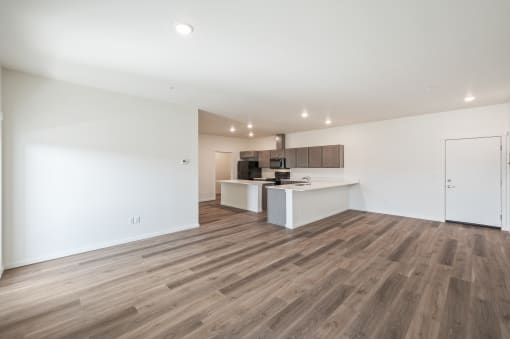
307	179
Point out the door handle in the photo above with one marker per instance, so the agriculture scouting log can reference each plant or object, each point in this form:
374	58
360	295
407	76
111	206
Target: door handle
451	186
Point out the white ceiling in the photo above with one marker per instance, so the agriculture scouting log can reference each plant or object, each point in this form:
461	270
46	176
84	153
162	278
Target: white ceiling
210	123
266	61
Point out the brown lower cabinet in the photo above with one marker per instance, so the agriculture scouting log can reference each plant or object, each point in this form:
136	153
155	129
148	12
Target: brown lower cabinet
264	196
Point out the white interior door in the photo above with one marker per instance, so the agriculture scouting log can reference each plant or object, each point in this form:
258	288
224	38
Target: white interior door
473	181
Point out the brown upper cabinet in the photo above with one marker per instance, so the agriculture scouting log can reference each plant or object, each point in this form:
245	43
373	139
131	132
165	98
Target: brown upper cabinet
290	158
278	154
333	156
248	154
301	157
315	157
264	158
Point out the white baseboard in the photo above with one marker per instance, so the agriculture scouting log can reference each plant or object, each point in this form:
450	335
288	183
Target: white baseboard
61	254
208	198
1	271
405	215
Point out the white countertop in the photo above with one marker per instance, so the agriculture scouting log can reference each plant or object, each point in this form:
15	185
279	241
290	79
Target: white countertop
318	185
245	182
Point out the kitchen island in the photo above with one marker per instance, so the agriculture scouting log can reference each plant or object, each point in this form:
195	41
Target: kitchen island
296	205
243	194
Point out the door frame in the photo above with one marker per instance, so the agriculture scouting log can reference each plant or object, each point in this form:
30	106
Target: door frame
504	169
232	164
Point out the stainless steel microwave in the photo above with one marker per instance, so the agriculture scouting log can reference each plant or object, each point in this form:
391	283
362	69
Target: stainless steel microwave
277	163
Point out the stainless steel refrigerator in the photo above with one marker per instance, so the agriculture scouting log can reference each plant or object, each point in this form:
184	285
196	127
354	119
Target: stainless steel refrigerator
248	170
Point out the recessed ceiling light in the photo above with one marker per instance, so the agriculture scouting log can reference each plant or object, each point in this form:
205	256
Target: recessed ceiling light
250	125
469	98
250	134
183	29
328	121
304	115
232	129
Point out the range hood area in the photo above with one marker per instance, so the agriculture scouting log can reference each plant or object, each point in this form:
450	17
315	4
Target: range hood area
277	161
280	141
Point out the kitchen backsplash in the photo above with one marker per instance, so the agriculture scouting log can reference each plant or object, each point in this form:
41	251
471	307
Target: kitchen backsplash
267	173
315	173
319	174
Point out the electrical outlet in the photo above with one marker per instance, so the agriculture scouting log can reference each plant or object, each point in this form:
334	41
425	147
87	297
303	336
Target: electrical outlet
138	220
132	220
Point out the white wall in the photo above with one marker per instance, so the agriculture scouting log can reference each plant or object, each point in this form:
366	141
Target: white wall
399	162
79	162
209	145
1	190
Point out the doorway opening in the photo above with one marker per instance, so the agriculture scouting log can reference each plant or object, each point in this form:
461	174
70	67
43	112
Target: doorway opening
223	170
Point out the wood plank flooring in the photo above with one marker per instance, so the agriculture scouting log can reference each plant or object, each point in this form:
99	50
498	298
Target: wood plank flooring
353	275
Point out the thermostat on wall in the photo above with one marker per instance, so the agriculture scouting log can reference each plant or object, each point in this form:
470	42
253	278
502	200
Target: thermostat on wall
185	162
